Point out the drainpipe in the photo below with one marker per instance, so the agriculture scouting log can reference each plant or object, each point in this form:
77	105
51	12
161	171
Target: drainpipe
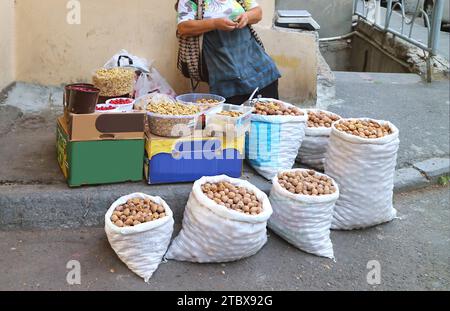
346	36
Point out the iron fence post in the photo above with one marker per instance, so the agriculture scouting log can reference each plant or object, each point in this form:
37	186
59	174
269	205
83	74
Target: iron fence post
436	21
388	15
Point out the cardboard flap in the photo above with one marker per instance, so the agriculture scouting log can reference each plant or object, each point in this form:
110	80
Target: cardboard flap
119	123
106	126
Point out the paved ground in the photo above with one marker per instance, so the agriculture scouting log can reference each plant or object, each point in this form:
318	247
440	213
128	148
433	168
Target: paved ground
33	194
414	254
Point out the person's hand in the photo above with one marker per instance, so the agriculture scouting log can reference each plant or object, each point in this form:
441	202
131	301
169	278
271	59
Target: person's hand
225	24
242	20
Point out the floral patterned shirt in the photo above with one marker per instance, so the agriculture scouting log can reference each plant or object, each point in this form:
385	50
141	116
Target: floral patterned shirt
187	9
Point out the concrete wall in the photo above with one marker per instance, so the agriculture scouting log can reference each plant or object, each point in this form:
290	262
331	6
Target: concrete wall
51	51
337	54
367	58
334	17
359	55
6	42
296	56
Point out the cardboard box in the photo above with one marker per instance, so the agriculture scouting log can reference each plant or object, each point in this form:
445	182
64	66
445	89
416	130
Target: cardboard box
106	126
186	159
98	162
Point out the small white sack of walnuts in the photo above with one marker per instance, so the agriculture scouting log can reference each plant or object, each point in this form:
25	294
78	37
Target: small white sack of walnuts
315	145
303	220
274	141
141	247
364	170
214	233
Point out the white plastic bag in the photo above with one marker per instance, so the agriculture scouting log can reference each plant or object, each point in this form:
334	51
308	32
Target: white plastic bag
214	233
153	82
141	247
161	84
144	85
273	142
364	170
303	220
125	59
149	81
314	146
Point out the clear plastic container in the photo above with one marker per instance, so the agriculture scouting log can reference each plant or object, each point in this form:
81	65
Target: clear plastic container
196	98
221	124
170	125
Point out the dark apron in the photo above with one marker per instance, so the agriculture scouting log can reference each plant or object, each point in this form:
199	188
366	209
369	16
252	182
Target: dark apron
236	63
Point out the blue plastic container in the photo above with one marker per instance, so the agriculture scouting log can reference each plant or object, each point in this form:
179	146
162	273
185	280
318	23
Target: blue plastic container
187	159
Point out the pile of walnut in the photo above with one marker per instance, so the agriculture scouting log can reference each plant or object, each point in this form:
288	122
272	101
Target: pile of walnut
364	129
233	114
321	119
276	109
137	211
306	183
236	198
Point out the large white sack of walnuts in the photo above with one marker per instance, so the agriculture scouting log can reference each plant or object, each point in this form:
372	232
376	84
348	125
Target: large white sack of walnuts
140	247
303	220
315	145
273	142
214	233
364	170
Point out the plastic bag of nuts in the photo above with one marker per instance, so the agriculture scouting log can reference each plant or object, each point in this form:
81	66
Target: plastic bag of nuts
216	232
364	168
142	242
274	140
303	203
317	135
114	82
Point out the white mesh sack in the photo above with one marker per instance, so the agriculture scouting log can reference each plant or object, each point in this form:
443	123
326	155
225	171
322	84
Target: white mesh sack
141	247
303	220
315	145
214	233
364	170
273	142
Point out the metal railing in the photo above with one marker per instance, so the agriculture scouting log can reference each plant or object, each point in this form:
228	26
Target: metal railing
365	8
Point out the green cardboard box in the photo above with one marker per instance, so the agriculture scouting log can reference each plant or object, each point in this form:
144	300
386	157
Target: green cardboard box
98	162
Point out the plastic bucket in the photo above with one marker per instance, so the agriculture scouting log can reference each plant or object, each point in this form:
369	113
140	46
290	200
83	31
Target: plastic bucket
67	95
82	99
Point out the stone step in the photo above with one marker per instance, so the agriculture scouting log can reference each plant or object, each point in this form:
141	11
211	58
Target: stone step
52	206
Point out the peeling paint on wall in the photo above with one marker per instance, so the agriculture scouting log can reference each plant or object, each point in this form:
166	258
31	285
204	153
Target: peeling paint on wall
287	61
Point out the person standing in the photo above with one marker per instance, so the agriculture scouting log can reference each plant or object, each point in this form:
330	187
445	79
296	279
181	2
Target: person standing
236	62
